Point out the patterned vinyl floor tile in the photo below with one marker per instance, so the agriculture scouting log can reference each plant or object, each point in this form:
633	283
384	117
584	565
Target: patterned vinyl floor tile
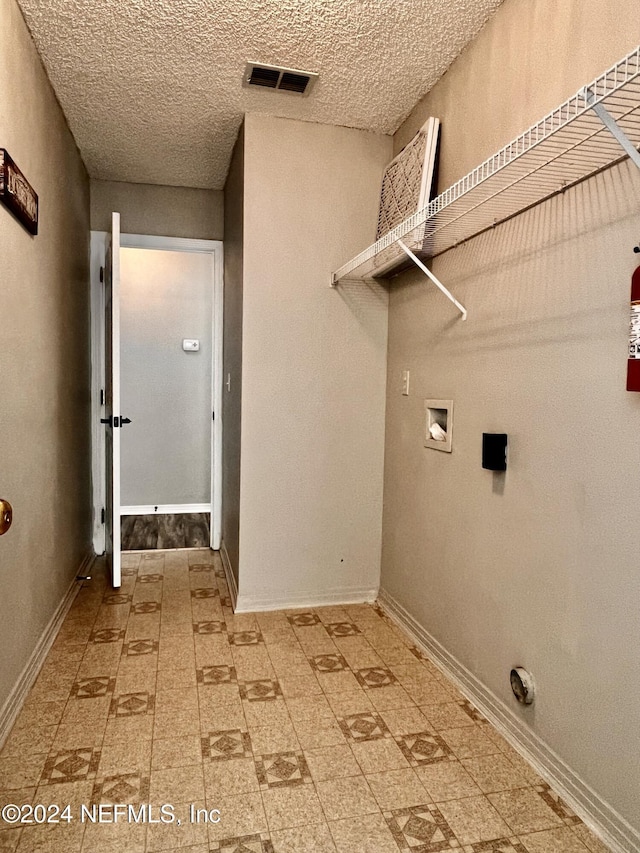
319	730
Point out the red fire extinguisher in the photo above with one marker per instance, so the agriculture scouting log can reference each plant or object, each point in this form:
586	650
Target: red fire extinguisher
633	364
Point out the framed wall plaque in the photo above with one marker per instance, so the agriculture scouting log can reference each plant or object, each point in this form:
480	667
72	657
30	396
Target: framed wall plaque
17	194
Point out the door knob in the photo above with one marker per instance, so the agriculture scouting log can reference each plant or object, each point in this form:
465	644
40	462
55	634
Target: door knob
115	421
6	516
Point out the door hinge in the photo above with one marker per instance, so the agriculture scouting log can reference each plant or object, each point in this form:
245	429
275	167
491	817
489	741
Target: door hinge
102	396
213	416
103	515
102	275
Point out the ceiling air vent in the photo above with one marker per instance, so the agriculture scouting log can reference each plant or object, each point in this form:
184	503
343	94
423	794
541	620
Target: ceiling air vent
283	79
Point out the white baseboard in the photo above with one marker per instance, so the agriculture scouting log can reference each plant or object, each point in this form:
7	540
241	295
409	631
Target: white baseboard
164	509
596	813
231	578
16	698
254	603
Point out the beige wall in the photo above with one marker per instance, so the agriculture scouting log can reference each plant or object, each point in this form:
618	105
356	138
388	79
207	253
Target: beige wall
44	357
540	567
314	365
529	58
232	356
157	210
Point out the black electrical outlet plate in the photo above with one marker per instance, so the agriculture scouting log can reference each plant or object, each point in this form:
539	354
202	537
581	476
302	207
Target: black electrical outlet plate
494	451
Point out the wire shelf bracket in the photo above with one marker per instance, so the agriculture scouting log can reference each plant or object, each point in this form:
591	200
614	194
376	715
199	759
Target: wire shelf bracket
613	127
433	278
579	139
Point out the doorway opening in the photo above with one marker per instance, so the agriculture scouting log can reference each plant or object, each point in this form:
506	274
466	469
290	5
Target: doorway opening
169	372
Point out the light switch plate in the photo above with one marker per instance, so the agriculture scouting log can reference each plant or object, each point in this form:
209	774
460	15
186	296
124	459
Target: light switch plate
190	345
405	383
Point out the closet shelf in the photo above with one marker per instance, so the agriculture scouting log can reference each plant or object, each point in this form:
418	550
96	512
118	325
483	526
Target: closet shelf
574	142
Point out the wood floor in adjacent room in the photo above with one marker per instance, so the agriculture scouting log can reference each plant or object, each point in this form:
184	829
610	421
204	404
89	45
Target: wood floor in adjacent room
159	531
311	731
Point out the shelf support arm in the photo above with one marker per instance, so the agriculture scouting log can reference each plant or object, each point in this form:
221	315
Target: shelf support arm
435	280
613	127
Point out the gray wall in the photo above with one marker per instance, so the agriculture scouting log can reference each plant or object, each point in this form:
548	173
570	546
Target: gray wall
44	357
158	210
539	568
313	365
232	356
166	450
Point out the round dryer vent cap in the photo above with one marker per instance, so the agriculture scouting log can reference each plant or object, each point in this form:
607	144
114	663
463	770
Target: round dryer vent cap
522	685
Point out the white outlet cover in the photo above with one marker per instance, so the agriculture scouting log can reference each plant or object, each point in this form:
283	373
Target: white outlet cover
191	345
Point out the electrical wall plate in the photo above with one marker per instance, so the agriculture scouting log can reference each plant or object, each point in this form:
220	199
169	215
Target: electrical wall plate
191	345
494	451
438	426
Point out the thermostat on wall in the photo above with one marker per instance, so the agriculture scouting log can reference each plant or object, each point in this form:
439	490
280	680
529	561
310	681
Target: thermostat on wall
190	345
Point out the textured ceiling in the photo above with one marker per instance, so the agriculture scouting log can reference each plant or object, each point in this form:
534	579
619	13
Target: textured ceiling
152	89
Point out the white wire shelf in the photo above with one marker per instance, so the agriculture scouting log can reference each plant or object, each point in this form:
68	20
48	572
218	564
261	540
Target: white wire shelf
567	146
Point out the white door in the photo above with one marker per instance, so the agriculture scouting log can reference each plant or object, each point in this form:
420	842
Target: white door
112	419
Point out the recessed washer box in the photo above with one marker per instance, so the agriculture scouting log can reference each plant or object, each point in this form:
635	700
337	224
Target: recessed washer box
438	429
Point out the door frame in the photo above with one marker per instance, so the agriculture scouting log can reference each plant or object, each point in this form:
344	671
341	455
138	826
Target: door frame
169	244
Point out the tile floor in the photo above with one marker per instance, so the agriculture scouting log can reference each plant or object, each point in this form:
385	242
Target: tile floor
316	731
